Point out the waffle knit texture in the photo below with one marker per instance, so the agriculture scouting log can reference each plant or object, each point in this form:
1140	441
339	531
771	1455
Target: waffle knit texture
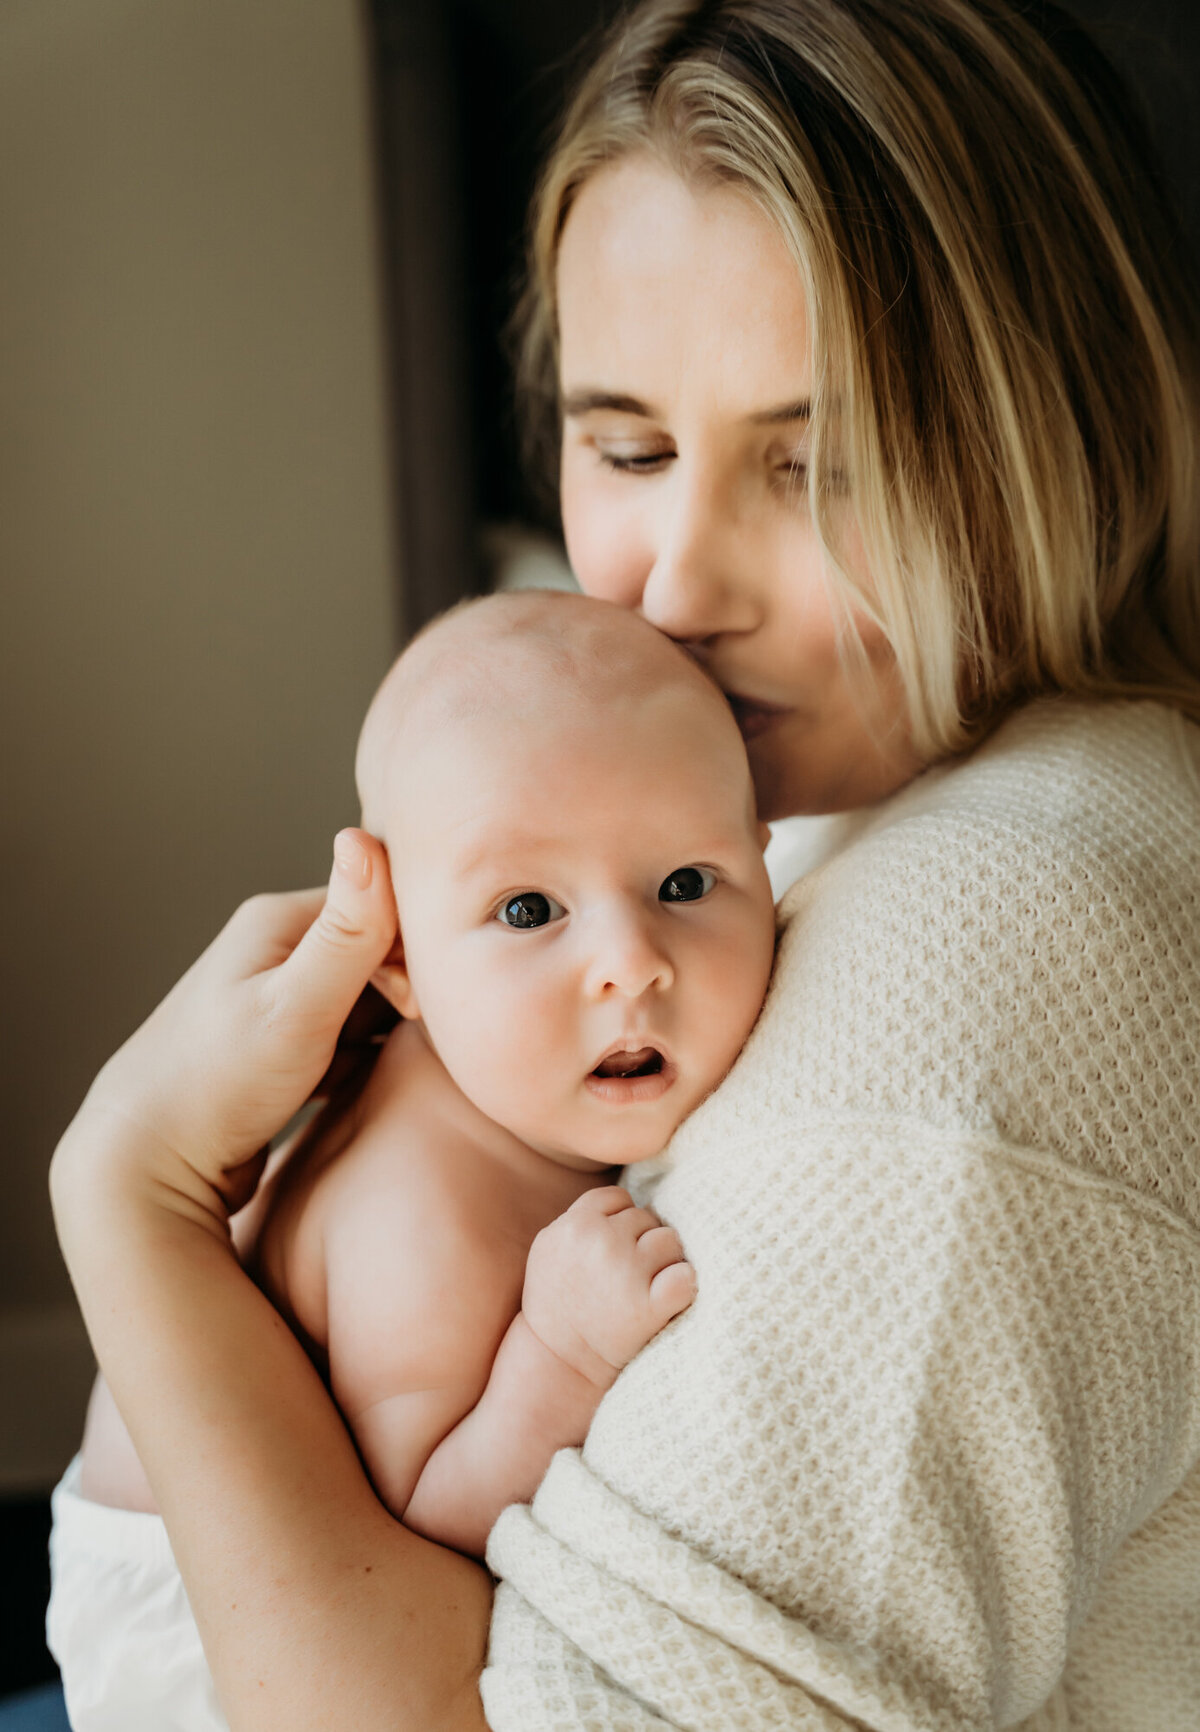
925	1452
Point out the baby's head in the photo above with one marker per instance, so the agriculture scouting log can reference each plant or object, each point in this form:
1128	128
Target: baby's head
586	925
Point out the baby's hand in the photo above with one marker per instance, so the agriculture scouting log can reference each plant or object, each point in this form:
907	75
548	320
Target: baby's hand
602	1280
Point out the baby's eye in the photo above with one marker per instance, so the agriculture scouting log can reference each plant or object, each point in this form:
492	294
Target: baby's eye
687	884
529	909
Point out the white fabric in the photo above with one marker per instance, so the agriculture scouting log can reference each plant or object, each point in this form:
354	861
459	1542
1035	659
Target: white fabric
923	1454
119	1623
799	845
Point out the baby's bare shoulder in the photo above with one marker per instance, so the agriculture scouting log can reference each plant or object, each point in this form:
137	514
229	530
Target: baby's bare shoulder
421	1277
410	1197
407	1173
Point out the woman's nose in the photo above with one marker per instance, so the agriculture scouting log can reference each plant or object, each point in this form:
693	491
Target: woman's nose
627	958
698	585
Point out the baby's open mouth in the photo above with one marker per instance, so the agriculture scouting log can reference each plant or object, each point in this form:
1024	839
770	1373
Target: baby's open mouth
644	1061
631	1076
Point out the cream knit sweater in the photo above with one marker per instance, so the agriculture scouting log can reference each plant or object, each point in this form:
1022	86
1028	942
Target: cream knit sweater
925	1452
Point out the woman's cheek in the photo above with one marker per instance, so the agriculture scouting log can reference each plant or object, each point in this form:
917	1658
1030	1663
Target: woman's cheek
604	544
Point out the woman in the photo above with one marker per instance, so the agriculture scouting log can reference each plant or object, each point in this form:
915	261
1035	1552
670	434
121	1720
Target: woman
878	389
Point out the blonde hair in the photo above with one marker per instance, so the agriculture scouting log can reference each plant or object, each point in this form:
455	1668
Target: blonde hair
1006	389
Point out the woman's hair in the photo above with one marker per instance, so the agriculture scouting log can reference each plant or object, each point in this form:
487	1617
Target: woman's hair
1006	386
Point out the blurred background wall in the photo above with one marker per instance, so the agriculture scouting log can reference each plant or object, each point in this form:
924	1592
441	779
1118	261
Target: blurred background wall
196	540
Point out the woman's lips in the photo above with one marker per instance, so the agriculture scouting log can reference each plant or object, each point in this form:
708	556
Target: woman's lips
752	717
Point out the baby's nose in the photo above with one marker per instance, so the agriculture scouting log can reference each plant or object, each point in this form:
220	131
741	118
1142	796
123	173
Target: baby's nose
628	960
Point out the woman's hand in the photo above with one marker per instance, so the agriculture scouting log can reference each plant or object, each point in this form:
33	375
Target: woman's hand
242	1040
316	1608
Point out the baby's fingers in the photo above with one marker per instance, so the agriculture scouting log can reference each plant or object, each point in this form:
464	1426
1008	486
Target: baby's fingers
658	1248
632	1225
672	1291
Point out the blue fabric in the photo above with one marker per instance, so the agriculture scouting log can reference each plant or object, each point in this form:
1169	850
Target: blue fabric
40	1710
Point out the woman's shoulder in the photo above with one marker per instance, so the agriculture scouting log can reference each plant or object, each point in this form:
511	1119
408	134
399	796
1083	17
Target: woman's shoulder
1063	795
1092	770
1009	948
1090	775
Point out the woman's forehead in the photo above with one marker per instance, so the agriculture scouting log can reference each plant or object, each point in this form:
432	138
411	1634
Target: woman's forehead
666	284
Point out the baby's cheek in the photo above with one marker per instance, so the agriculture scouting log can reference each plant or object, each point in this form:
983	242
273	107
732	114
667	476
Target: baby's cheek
499	1067
742	991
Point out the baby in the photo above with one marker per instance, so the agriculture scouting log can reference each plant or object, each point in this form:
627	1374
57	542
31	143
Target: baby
585	935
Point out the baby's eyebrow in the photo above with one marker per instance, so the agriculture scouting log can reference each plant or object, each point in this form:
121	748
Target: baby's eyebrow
490	857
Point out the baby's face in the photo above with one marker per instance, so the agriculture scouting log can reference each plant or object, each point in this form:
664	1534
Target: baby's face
587	923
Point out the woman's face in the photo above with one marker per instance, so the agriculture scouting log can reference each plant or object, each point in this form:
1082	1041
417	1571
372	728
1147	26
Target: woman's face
686	372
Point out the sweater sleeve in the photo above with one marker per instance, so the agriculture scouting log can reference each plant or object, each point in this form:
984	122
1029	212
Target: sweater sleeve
923	1453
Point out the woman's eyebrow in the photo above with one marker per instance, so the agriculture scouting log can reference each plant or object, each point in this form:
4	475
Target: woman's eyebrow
583	401
589	398
800	410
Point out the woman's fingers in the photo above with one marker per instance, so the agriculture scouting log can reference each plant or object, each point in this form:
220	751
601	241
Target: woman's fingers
240	1042
265	930
352	931
359	1043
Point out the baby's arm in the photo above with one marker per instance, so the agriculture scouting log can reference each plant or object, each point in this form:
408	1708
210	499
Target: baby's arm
455	1416
110	1472
600	1282
417	1296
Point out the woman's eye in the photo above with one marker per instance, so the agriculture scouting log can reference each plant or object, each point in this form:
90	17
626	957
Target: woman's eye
793	475
531	908
634	462
687	884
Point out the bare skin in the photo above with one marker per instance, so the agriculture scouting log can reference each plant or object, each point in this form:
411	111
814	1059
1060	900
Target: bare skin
453	1253
395	1243
316	1607
277	1531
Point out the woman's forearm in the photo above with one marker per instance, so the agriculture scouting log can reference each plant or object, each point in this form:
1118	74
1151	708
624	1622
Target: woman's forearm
316	1608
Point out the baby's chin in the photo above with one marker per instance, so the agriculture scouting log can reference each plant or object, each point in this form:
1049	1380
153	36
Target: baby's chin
619	1147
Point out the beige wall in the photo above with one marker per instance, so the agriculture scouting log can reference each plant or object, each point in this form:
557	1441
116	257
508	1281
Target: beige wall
194	529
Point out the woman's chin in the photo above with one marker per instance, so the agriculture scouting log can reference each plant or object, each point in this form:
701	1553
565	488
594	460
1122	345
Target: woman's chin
792	782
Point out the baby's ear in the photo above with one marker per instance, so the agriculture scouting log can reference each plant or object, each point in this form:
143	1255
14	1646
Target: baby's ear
391	979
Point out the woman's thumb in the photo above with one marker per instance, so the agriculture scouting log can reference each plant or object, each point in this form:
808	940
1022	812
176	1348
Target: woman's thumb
351	935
